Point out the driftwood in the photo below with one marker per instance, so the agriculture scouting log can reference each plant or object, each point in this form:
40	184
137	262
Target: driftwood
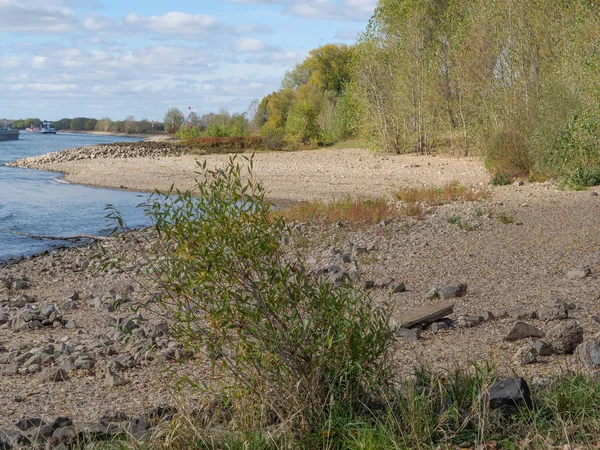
58	238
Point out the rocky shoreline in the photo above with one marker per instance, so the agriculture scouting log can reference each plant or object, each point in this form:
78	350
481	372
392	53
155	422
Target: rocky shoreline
522	263
146	149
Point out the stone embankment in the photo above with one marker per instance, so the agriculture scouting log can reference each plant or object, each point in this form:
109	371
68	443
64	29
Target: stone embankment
116	150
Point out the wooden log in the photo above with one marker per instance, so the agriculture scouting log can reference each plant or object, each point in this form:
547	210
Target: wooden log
424	315
58	238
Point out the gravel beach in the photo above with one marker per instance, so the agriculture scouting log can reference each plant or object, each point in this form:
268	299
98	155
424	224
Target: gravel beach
516	251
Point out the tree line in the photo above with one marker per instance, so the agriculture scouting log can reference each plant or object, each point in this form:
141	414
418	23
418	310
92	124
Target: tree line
514	80
129	125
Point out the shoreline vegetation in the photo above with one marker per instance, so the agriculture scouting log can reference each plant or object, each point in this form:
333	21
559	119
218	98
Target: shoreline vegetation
467	236
441	292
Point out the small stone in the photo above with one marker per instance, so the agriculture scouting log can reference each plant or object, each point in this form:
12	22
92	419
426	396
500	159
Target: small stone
486	316
556	311
521	313
114	380
522	330
436	327
526	355
565	336
71	325
9	369
54	375
395	287
467	321
27	424
408	334
578	274
594	194
369	284
447	292
70	305
543	348
588	354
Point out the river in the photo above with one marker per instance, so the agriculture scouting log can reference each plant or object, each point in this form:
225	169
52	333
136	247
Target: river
40	203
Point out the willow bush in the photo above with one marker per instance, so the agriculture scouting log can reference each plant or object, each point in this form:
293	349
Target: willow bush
290	344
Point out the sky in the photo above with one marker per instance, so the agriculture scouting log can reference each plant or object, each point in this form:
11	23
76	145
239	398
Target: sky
110	58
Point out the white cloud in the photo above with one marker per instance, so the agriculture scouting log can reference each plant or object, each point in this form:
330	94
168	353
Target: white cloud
35	17
347	35
173	23
258	2
329	10
249	45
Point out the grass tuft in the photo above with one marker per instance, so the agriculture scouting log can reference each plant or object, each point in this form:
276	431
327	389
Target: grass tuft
434	196
348	209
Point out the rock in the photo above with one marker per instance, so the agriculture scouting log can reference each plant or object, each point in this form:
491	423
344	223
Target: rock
521	313
588	354
486	316
70	305
54	374
425	314
9	369
408	334
467	321
578	274
509	395
436	327
114	380
543	348
558	310
26	424
71	325
368	284
565	336
395	287
447	292
526	355
522	330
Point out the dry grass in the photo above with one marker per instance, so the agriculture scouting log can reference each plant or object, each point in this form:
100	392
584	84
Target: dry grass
415	202
348	209
433	196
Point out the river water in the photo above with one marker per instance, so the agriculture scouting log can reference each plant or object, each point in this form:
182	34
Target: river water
40	203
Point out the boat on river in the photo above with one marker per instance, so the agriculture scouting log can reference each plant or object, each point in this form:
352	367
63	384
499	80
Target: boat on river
7	133
46	128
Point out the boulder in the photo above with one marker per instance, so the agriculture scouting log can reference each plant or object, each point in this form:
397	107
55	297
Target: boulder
526	355
408	334
565	335
559	310
543	348
509	395
588	354
522	330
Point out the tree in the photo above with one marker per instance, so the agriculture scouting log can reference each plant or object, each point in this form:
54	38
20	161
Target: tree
104	124
173	119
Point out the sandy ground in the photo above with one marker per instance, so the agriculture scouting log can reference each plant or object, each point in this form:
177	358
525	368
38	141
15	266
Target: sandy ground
518	264
288	176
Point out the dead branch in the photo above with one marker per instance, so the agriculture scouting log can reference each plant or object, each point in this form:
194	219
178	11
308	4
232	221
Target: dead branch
58	238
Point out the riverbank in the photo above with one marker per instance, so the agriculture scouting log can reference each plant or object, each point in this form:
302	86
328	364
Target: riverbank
288	176
514	250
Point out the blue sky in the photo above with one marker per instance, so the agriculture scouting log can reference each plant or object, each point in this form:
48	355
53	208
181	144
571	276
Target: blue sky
97	58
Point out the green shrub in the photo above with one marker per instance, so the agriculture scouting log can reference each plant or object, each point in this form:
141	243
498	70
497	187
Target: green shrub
501	179
273	138
289	344
224	144
507	155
